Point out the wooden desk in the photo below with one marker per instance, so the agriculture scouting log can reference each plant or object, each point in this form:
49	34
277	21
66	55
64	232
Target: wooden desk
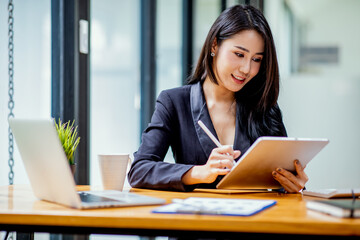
21	211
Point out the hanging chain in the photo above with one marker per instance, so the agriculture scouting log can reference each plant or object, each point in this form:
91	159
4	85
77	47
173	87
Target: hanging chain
11	95
11	88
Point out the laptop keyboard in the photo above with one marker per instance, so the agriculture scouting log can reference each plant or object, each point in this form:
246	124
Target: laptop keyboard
91	198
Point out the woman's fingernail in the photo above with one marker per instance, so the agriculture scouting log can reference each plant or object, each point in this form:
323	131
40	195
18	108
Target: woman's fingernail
274	173
278	169
297	162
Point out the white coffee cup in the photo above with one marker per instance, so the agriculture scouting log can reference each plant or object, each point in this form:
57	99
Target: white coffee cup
113	170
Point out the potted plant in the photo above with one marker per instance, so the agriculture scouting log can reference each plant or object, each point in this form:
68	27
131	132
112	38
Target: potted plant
69	140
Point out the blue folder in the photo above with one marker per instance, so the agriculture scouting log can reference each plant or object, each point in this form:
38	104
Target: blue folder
216	206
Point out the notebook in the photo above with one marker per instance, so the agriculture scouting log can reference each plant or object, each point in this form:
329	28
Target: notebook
49	172
254	169
333	193
216	206
346	208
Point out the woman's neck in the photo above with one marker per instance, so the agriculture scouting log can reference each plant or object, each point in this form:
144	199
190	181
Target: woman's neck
216	93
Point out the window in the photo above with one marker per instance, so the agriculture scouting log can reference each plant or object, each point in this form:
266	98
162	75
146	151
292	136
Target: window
32	74
114	80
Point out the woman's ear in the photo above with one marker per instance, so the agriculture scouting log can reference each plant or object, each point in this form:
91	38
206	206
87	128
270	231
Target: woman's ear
214	46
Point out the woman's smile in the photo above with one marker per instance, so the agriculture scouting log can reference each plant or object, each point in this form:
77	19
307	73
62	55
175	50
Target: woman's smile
238	79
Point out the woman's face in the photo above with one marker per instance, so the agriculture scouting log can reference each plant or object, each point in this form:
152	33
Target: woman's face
238	59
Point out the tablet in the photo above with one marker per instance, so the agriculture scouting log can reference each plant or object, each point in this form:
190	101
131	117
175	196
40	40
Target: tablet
254	169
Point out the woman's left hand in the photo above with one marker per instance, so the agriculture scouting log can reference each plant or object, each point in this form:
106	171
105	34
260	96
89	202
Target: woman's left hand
291	183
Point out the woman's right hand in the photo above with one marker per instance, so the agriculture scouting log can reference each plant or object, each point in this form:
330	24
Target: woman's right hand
220	162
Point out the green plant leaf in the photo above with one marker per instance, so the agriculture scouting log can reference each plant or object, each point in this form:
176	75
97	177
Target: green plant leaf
68	137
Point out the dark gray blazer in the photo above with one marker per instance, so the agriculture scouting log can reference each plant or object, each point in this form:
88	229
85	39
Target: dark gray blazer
174	123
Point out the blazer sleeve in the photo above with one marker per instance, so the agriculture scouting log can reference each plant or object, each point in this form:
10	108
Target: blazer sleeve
148	169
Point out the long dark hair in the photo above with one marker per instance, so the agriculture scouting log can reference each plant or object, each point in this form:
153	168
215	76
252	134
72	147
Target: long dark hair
257	100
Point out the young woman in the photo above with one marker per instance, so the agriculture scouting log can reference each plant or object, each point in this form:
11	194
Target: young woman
234	92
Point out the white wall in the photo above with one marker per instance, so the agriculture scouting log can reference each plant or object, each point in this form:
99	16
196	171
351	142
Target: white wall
323	100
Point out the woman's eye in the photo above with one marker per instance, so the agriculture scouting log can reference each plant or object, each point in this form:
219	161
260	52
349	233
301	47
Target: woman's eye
239	54
257	59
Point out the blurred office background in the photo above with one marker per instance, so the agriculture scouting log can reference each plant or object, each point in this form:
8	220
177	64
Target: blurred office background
317	46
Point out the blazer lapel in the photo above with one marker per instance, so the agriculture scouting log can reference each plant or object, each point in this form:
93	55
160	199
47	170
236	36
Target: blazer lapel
200	111
238	136
241	141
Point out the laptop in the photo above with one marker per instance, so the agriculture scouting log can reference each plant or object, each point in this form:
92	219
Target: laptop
49	172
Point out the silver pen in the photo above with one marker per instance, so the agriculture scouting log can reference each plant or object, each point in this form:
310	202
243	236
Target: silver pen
211	136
